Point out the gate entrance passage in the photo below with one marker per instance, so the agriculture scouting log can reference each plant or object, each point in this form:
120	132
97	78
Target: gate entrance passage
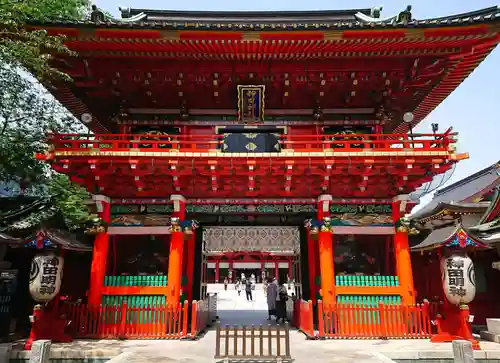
258	254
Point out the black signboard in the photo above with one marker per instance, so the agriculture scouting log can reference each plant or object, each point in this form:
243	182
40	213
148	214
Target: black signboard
8	287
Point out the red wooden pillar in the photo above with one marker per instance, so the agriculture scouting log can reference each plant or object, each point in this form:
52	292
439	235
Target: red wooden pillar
100	253
177	254
325	240
290	273
175	266
190	244
217	271
311	259
325	247
277	271
402	255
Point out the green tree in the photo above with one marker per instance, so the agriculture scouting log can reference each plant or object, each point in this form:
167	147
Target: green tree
27	111
31	49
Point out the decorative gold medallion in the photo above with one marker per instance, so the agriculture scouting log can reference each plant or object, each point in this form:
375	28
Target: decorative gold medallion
251	146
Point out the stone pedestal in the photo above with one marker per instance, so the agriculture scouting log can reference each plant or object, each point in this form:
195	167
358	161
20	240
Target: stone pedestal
493	333
40	351
462	351
5	350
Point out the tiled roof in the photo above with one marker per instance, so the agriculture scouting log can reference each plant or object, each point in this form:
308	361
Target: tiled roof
443	235
310	20
24	213
480	182
493	212
436	237
458	207
21	217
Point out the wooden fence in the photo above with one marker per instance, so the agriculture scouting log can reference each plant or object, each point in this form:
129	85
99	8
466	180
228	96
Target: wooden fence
147	322
374	321
261	343
204	314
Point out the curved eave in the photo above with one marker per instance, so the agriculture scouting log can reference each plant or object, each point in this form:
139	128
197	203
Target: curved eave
493	211
441	237
458	72
444	209
466	39
77	107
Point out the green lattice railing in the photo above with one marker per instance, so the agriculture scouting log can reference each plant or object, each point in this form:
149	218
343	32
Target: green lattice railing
151	280
363	309
369	300
366	281
154	280
134	301
140	302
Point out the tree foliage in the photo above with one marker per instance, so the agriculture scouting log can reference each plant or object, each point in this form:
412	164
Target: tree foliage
33	49
27	111
68	198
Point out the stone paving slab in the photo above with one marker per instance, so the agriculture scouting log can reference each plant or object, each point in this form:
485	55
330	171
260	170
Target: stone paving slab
321	350
234	309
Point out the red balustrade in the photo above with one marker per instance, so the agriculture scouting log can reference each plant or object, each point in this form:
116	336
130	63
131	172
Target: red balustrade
125	322
374	322
206	143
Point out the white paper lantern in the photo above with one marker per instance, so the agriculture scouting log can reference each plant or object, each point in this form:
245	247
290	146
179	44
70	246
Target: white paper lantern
46	276
459	281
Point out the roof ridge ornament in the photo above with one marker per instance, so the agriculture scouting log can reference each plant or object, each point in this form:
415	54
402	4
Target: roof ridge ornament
403	17
374	17
98	16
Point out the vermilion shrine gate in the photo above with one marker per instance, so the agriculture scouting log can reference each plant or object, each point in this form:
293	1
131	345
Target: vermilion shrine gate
263	121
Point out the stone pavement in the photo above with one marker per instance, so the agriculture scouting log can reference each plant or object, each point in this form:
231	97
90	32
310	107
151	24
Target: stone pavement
235	310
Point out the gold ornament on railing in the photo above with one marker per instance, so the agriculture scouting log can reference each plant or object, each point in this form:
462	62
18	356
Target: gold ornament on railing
175	225
96	226
403	225
327	225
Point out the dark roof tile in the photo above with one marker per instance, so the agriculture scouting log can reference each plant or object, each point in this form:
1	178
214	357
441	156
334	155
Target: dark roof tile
296	20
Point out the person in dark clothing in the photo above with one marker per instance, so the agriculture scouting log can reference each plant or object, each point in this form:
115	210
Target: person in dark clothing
281	304
226	281
248	290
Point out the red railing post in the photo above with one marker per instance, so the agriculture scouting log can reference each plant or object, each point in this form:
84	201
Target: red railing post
426	319
185	318
123	320
310	318
321	320
194	319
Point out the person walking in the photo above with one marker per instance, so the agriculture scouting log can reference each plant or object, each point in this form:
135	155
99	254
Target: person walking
248	290
226	282
238	287
264	287
281	303
272	294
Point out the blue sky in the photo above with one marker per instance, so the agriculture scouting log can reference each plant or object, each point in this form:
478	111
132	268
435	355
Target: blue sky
473	109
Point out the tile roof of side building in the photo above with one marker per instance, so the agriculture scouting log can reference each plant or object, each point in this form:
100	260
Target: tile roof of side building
463	191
